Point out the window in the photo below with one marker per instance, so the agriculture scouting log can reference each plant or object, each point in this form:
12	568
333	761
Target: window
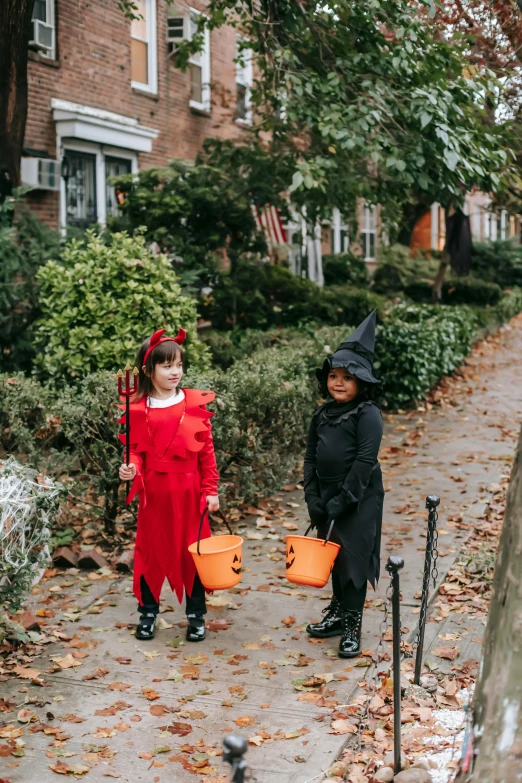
340	239
143	47
369	232
200	69
114	167
80	189
42	28
243	83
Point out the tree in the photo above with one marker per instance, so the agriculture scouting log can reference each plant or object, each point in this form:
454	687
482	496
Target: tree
498	700
15	25
198	212
367	101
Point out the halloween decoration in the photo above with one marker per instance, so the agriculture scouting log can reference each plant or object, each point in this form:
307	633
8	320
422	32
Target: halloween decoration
218	560
309	561
127	393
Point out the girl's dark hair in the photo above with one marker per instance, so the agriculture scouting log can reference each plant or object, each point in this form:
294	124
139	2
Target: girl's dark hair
366	390
167	351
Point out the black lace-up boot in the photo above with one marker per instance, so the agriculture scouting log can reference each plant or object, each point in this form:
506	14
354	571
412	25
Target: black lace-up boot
147	626
350	644
330	625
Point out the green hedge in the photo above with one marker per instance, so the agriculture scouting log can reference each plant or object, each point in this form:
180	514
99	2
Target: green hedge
345	269
498	262
456	291
264	296
263	405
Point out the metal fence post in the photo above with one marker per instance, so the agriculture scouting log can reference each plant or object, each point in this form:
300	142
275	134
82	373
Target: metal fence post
234	748
432	501
393	567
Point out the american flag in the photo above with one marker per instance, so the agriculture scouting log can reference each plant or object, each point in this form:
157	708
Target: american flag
269	220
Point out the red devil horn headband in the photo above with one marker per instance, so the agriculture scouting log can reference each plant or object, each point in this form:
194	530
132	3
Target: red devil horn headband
157	338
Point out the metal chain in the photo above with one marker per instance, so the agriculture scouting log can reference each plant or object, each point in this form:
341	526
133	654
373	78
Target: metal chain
435	551
379	655
431	547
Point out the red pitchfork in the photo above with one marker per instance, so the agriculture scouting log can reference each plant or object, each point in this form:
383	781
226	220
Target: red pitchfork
127	392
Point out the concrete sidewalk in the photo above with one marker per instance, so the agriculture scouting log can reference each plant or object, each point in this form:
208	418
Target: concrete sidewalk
163	707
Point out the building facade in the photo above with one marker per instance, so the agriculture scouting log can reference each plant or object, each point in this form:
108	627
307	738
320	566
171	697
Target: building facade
105	98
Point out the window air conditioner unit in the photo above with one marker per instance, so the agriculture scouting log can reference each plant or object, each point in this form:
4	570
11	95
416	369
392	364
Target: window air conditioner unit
178	29
41	173
42	36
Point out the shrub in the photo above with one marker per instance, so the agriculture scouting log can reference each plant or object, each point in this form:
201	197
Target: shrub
455	291
419	344
340	305
101	300
27	425
24	247
498	262
29	504
345	269
397	268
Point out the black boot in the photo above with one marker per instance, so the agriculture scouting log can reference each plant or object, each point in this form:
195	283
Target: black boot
147	626
330	625
350	644
196	628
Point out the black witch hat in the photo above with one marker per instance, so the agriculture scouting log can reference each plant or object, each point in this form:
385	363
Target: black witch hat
355	353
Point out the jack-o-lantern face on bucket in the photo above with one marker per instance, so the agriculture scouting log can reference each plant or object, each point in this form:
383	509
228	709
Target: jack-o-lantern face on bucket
236	564
289	563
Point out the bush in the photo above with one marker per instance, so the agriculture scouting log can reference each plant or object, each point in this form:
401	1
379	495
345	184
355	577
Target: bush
498	262
24	247
101	300
397	268
345	269
455	291
268	296
419	344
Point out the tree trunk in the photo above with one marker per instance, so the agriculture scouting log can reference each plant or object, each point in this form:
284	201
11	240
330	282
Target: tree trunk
15	27
441	274
498	700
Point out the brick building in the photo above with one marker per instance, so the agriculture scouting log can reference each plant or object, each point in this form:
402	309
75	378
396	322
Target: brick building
105	98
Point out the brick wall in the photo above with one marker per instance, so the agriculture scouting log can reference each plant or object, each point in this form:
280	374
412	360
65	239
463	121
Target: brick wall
93	68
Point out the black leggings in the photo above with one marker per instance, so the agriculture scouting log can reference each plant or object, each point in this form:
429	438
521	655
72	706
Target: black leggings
195	603
348	595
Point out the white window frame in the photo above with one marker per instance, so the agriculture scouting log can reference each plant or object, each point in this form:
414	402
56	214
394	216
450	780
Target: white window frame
338	226
50	20
152	52
100	151
204	64
244	78
369	213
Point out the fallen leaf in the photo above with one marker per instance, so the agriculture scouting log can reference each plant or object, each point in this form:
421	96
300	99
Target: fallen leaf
178	728
96	674
288	621
118	686
449	653
342	726
29	674
150	694
218	625
244	720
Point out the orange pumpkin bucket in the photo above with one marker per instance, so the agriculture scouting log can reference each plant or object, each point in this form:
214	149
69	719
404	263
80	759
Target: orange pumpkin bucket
218	559
309	561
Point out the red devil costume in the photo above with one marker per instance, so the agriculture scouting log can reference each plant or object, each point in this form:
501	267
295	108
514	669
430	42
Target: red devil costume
172	448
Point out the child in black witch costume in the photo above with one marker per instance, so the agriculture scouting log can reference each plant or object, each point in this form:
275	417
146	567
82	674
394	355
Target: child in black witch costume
343	481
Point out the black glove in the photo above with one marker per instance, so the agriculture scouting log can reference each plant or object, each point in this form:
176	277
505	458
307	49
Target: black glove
338	505
317	511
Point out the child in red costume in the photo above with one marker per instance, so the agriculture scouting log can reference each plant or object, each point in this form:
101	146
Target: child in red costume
173	470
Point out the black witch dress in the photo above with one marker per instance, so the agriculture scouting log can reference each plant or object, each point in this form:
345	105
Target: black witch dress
341	469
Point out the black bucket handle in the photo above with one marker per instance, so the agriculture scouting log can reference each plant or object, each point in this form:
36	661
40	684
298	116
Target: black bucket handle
223	517
327	539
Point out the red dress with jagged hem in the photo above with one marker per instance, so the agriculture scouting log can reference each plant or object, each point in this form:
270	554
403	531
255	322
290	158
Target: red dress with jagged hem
173	451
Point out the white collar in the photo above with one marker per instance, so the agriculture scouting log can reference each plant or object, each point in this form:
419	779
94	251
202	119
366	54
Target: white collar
174	399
